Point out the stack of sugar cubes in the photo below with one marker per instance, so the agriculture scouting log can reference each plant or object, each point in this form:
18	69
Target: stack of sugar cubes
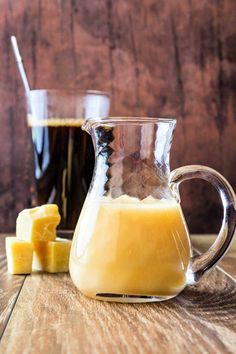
35	247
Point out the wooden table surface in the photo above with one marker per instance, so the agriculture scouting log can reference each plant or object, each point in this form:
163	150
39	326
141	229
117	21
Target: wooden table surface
44	313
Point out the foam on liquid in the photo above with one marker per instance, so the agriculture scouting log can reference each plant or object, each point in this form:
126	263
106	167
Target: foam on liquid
55	122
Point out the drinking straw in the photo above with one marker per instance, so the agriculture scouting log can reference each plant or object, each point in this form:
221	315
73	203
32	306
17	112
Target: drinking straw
20	65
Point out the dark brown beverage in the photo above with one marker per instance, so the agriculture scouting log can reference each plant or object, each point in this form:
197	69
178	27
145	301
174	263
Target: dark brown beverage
64	162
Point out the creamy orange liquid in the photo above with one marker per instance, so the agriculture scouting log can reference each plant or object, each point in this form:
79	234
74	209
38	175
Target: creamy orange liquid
128	246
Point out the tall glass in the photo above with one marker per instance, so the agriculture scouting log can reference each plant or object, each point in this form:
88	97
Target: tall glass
63	152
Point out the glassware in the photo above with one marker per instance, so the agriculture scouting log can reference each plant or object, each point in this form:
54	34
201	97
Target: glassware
63	152
131	243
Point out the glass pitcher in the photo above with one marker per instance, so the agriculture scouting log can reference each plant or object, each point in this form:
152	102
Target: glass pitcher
131	242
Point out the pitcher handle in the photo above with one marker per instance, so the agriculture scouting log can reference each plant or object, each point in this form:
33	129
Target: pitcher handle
204	262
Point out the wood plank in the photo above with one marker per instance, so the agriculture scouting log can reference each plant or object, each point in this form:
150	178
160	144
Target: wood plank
10	287
51	316
157	58
228	263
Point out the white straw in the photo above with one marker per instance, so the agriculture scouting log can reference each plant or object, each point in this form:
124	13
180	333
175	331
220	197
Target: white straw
20	65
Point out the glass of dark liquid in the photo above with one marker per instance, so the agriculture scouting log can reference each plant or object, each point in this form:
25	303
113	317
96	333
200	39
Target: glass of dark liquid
63	152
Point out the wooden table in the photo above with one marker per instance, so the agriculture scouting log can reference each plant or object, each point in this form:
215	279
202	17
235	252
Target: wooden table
44	313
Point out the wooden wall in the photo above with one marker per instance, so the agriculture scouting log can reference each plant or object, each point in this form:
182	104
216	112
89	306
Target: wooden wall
156	57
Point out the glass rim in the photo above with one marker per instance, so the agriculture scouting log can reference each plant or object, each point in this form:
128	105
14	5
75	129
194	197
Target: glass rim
74	91
119	120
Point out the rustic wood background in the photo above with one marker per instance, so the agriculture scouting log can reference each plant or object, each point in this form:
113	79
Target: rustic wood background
157	58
